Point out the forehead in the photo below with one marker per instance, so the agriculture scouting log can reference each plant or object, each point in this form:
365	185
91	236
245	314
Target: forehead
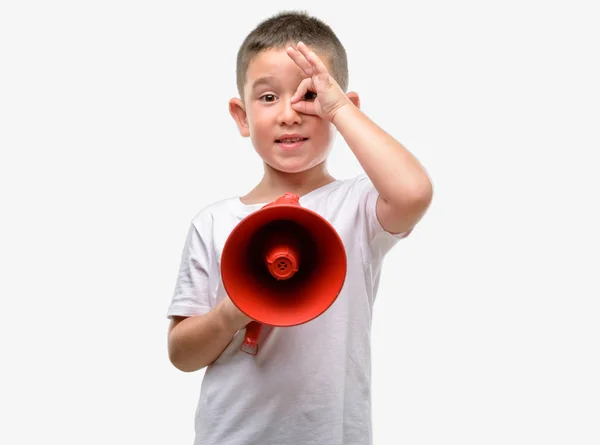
274	65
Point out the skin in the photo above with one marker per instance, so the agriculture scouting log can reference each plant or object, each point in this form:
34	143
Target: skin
291	91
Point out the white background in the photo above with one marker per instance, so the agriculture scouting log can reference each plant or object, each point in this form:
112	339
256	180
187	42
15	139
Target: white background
114	133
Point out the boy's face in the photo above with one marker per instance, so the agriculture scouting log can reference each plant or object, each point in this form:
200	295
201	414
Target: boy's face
266	115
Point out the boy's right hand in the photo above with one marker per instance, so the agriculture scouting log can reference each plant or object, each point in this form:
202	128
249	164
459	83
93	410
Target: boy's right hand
232	316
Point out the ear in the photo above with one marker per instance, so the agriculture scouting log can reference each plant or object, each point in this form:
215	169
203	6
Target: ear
238	112
354	98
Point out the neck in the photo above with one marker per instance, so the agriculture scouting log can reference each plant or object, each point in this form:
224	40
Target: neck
275	183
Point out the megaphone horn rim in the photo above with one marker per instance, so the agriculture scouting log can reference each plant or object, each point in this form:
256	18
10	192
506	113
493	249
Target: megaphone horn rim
269	214
251	218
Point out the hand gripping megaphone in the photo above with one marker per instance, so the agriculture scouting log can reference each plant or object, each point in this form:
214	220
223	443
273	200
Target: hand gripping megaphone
282	265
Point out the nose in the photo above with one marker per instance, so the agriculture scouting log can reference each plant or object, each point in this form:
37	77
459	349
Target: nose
287	115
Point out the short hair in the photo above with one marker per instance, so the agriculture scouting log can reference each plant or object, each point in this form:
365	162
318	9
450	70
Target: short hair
290	27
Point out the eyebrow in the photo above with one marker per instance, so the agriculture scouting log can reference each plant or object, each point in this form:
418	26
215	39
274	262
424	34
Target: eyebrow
264	80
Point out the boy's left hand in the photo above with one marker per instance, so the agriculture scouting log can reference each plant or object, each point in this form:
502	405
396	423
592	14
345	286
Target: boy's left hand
329	95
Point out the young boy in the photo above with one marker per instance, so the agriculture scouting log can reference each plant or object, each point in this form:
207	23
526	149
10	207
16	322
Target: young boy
308	384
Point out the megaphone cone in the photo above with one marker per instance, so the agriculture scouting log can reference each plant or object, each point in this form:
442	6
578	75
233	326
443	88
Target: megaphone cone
282	265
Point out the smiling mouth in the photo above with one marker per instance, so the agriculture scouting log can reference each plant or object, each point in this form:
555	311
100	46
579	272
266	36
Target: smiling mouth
290	141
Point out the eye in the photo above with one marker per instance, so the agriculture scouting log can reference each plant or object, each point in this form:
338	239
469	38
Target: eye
310	95
268	98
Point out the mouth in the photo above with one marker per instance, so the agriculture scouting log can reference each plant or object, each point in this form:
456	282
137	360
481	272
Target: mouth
291	143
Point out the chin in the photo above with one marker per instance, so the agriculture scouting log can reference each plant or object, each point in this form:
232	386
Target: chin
292	167
296	164
290	170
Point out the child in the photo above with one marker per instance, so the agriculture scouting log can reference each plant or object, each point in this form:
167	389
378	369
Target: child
308	384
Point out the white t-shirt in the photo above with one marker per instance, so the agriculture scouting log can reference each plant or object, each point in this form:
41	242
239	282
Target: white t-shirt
308	384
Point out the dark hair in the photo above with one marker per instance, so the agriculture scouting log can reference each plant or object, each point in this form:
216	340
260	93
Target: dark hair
287	28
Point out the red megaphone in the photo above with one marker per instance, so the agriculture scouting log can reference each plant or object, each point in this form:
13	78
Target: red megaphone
282	265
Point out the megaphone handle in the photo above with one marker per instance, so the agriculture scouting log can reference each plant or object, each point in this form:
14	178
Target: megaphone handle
250	344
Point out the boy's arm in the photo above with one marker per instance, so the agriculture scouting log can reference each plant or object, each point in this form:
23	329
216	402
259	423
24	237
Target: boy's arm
197	341
405	190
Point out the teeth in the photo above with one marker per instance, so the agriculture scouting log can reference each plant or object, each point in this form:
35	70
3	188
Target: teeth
291	140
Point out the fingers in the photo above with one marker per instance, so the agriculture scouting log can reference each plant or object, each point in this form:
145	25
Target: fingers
303	106
301	61
303	88
312	58
307	60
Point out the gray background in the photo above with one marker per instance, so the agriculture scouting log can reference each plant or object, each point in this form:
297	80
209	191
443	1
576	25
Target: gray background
114	133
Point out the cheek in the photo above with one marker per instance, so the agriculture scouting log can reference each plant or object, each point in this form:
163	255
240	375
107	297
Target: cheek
325	132
261	134
260	121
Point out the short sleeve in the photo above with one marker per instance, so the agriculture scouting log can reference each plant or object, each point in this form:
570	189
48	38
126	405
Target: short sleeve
192	295
379	240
